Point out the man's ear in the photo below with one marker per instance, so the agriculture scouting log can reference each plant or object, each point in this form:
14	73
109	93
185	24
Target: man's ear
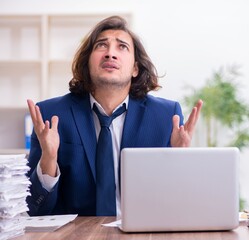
135	70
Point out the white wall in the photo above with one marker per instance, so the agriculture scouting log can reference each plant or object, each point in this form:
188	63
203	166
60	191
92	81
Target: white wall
187	40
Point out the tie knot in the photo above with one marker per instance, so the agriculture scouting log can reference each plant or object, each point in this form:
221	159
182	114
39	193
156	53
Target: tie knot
105	121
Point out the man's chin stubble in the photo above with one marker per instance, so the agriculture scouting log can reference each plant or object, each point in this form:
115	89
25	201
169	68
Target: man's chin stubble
111	84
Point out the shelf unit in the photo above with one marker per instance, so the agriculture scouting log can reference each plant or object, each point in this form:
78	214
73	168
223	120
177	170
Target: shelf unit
36	53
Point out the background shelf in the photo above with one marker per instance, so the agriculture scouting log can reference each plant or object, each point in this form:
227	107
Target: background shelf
36	52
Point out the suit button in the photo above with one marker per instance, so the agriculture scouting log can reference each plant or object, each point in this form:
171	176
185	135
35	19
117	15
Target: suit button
40	199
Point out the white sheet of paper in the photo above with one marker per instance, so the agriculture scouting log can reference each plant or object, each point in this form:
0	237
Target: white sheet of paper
112	224
46	223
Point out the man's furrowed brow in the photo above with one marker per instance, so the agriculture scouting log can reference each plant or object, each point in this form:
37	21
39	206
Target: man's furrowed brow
122	41
101	40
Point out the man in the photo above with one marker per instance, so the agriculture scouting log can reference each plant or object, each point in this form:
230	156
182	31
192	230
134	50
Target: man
110	69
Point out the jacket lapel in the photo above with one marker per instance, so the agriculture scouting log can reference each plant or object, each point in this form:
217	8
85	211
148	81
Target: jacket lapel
82	114
135	112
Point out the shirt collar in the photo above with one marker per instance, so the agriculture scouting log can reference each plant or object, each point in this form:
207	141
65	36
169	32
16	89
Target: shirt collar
101	109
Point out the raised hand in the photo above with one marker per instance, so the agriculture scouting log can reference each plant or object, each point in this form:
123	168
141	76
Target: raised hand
48	138
182	135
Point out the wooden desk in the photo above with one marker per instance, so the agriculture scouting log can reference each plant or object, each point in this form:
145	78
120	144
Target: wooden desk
89	228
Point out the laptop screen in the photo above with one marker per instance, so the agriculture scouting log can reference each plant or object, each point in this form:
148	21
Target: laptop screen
179	189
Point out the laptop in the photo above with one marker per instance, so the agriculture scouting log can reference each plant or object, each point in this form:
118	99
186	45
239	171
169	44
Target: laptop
179	189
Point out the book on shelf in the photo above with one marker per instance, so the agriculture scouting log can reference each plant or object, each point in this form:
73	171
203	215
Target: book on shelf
28	130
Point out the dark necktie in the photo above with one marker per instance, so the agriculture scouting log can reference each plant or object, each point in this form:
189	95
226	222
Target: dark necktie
105	177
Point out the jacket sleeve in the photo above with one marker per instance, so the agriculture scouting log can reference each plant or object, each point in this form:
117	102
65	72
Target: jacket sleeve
177	111
41	202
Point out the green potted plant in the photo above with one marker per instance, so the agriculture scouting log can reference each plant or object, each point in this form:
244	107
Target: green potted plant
222	106
222	109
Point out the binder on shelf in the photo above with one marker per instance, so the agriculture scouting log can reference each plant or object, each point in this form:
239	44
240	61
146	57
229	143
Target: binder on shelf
28	130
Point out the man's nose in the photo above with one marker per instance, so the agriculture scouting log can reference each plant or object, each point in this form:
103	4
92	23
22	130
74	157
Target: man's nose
111	53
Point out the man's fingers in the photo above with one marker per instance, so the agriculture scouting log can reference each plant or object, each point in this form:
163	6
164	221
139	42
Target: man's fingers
35	114
39	119
194	115
176	121
32	111
46	127
199	107
54	123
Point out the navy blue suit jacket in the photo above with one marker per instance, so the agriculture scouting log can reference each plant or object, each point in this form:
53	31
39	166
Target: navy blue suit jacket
148	123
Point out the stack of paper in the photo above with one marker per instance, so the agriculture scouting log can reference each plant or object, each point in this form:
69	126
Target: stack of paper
14	188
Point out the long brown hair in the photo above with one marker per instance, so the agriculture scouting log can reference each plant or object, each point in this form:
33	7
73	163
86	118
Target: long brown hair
145	81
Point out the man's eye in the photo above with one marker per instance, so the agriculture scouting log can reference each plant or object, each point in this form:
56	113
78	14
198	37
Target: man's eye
124	47
100	45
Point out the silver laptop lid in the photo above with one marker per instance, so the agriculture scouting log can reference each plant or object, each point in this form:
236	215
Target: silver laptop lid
179	189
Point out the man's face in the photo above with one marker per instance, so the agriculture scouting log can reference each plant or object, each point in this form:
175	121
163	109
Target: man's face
112	61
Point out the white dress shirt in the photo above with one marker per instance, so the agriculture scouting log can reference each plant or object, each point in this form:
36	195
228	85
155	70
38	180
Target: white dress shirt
116	129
